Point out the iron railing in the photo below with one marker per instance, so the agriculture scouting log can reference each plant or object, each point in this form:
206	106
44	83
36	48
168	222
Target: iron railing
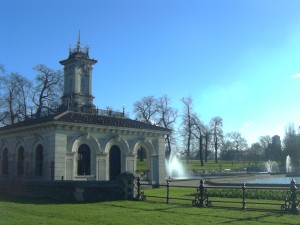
202	198
100	112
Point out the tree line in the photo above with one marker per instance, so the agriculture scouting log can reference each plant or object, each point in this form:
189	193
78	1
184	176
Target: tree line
21	98
196	140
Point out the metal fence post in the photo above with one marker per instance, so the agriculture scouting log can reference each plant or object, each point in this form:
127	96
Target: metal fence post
202	197
138	186
168	186
294	201
140	194
244	197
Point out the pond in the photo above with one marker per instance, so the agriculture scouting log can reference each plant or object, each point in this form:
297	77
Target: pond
274	180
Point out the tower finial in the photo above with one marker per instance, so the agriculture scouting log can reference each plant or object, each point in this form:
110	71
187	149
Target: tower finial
78	41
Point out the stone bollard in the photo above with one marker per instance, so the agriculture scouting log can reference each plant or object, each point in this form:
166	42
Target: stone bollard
128	180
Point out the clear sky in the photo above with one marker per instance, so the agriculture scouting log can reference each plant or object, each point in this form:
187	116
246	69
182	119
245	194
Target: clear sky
237	59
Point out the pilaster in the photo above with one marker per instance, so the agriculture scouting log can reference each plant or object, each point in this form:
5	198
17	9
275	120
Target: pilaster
161	161
58	141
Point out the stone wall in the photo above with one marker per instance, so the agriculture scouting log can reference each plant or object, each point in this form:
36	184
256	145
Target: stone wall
84	191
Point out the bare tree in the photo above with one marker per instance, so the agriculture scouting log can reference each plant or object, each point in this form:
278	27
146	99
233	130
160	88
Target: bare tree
265	142
24	88
8	101
207	138
13	98
146	110
199	133
216	125
19	96
167	117
238	143
291	143
255	152
47	90
187	124
157	112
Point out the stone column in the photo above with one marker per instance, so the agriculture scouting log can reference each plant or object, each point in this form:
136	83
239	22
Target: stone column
130	165
58	148
102	167
161	160
69	166
154	170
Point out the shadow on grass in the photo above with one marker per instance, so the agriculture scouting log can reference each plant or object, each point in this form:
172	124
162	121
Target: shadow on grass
251	217
42	201
228	215
28	200
225	215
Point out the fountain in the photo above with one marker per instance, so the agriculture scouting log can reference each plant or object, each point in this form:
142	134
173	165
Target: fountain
288	165
271	166
175	167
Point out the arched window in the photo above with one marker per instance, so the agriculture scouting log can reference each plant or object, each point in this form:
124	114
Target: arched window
5	162
141	154
84	160
39	160
20	161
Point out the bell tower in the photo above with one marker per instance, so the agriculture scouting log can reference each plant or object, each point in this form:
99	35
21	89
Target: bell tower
78	69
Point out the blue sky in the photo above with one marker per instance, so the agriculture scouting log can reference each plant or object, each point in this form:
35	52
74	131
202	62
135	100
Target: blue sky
235	58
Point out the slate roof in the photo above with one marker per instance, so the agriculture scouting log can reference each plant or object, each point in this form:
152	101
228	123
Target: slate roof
85	118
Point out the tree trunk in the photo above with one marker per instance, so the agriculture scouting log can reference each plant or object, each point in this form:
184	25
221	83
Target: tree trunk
188	149
201	151
206	147
169	147
216	150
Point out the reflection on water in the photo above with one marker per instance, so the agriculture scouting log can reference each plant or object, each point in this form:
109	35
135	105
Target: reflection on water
274	180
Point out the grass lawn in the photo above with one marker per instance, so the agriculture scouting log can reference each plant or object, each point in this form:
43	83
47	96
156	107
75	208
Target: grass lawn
209	165
141	165
223	164
14	211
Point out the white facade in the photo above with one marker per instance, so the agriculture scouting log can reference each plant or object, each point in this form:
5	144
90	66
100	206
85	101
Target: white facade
61	141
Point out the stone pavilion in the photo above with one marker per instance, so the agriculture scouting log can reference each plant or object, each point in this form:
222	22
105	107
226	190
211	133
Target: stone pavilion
79	142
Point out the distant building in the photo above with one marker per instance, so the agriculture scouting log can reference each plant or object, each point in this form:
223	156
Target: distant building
276	141
274	151
80	142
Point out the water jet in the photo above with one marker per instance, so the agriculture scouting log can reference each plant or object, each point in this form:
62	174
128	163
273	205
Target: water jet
271	166
288	165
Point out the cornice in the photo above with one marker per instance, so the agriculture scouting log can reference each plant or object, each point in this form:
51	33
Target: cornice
59	126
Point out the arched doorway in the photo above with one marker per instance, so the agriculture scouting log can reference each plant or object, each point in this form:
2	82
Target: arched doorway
114	162
39	160
142	163
84	160
146	161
